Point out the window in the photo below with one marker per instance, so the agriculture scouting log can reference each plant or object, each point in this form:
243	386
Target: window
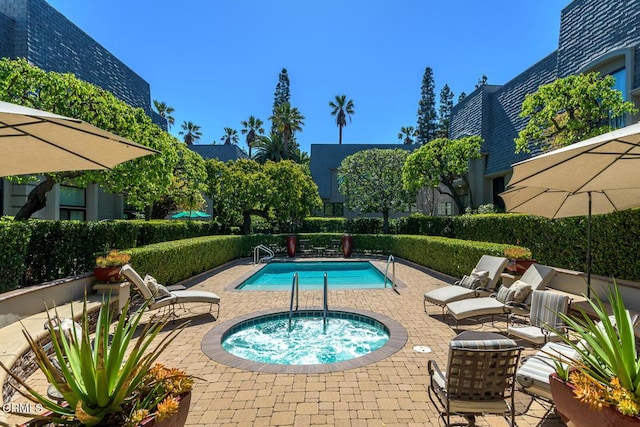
73	203
620	77
498	187
333	209
445	208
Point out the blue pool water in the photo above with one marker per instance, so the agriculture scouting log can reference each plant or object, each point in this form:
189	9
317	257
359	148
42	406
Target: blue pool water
277	276
268	339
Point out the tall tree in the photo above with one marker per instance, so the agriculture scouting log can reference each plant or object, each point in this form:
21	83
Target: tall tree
406	135
442	161
569	110
141	181
371	181
282	94
230	136
287	120
444	112
341	109
191	132
252	128
165	112
427	108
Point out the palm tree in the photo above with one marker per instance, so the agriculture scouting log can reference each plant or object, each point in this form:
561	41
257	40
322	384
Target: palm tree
342	109
252	126
269	147
191	132
406	135
287	120
165	112
230	136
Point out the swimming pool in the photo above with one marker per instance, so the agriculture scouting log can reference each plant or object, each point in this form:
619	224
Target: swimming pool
277	276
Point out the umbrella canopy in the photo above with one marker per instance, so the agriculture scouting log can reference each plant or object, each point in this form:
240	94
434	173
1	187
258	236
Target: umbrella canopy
34	141
598	175
190	215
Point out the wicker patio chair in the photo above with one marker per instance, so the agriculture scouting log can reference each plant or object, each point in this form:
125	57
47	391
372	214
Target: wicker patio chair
479	379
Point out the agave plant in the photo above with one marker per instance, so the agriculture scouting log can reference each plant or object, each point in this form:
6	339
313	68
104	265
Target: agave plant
607	348
101	379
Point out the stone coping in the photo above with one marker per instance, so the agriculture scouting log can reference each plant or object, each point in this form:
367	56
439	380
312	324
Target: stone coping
212	345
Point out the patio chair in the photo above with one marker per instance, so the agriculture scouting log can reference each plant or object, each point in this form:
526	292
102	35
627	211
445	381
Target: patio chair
543	318
306	248
161	297
479	379
513	300
481	282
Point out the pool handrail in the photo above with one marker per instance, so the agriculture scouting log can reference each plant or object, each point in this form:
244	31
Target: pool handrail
294	291
325	305
391	260
265	249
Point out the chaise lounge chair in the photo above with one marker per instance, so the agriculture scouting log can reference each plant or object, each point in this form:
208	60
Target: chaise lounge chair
515	299
543	318
165	298
481	282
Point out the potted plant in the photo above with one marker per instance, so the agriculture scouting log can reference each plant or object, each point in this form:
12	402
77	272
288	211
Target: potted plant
519	259
108	266
603	386
111	379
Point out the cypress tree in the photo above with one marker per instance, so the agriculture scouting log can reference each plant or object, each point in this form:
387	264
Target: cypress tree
444	112
427	109
281	95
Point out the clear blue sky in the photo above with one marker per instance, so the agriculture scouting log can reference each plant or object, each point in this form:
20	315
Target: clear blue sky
217	62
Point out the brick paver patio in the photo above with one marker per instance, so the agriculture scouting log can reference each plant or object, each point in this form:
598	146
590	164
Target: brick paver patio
391	392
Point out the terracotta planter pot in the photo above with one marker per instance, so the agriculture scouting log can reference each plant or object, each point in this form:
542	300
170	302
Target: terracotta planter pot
177	420
347	245
108	274
292	242
519	266
581	414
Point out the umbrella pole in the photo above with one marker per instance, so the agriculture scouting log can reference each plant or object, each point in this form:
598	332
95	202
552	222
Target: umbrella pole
589	248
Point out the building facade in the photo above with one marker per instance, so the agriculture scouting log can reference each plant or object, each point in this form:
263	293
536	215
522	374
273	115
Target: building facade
34	30
595	35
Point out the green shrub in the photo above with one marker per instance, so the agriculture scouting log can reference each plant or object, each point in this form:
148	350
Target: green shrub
14	239
364	226
171	262
323	225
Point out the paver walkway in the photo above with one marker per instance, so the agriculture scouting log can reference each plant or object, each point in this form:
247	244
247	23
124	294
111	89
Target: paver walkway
391	392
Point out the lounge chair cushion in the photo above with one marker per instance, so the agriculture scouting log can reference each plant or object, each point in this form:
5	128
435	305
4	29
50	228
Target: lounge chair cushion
475	307
196	296
533	374
447	294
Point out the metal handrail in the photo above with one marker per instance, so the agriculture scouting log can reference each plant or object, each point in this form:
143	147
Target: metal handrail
265	249
325	305
391	260
294	291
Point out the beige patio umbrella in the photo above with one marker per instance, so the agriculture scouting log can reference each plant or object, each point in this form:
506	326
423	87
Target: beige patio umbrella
595	176
34	141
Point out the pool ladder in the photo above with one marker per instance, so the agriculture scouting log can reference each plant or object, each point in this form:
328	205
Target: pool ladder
295	291
256	254
391	260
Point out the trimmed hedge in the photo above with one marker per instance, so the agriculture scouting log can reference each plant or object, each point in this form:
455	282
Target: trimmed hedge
171	262
14	241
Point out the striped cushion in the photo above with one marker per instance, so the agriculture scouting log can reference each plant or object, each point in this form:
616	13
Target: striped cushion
495	344
545	305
